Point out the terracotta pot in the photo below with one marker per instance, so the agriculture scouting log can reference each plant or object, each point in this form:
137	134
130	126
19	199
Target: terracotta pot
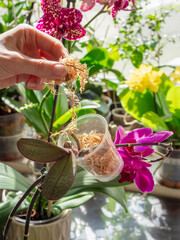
169	173
57	228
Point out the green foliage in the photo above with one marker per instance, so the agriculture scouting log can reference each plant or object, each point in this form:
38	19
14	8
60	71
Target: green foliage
12	180
14	13
140	38
159	111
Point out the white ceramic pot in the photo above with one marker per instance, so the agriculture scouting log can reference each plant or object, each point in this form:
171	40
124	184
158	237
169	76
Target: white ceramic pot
57	228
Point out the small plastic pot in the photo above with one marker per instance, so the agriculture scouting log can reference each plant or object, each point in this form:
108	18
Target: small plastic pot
103	162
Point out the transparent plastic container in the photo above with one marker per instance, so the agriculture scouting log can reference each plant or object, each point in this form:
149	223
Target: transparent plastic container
103	162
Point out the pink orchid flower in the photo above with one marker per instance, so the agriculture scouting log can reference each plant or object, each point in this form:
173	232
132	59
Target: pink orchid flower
60	22
118	5
140	135
135	168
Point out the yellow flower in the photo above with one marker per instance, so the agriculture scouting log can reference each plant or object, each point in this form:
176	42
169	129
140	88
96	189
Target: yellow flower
176	75
145	77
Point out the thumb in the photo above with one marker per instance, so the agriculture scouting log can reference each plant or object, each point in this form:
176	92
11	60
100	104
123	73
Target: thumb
42	68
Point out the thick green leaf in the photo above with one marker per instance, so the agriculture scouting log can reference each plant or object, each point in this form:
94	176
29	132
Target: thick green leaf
136	103
62	103
6	208
68	115
172	98
118	74
152	120
10	179
117	193
41	151
163	110
86	103
70	202
86	182
60	178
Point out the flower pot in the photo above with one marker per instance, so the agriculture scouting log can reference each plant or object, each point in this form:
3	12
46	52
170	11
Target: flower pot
8	147
11	130
57	228
11	124
103	162
121	118
169	173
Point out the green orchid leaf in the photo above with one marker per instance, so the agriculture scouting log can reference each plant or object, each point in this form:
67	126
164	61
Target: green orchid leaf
62	103
117	193
10	179
6	208
60	178
41	151
112	188
68	115
152	120
86	103
70	202
163	110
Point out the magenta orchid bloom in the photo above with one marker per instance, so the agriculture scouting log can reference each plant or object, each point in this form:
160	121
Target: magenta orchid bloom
118	5
135	168
140	135
60	22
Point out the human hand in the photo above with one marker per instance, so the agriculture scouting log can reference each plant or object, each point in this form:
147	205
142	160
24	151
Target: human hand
21	53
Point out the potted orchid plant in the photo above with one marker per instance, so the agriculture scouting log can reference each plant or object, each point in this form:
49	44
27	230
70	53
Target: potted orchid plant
156	105
106	166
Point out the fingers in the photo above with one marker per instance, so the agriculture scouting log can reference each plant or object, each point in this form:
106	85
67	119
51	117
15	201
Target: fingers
35	83
32	82
40	68
13	80
43	41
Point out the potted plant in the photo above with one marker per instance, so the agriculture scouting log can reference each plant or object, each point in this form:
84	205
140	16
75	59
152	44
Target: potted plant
64	186
11	126
156	105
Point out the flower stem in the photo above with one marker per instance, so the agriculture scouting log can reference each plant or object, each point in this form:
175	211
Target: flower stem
100	12
41	112
28	217
39	180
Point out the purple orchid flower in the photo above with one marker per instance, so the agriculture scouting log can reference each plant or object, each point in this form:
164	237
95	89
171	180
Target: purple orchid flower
118	5
60	22
135	168
140	135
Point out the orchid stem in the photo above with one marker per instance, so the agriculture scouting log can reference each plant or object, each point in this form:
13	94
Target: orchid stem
100	12
28	217
39	180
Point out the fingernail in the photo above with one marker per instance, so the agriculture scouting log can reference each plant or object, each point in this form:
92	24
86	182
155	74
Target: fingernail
59	70
31	84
